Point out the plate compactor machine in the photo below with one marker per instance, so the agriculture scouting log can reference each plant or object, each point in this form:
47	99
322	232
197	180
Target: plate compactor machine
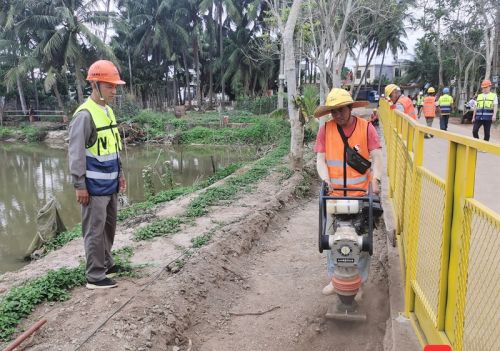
346	228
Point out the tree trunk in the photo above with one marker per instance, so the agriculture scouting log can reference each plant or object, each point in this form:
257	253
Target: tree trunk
380	73
58	97
79	80
369	58
440	59
323	84
35	88
130	83
281	77
187	78
175	87
21	94
297	129
489	43
355	72
198	73
466	77
211	87
108	3
221	48
254	84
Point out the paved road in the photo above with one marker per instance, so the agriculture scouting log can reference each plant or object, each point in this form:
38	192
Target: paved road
487	187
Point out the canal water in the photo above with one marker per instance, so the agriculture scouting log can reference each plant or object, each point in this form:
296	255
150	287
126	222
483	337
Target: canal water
31	174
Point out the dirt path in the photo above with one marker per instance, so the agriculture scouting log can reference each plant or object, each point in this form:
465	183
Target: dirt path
263	257
285	271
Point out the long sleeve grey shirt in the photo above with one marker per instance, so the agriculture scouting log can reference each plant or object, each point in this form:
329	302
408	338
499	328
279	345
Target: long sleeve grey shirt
82	134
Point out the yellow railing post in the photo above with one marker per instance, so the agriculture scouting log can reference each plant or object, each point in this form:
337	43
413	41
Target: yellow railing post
463	187
415	199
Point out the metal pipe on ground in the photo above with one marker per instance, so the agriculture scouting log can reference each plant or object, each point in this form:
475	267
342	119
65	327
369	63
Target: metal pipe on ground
25	335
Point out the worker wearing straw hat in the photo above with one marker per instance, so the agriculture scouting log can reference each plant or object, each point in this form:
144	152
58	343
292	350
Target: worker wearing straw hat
331	164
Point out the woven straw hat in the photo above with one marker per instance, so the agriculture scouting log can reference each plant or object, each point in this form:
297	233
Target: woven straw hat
336	99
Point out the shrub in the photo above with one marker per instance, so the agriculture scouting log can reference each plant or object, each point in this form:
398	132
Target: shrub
34	134
264	131
259	105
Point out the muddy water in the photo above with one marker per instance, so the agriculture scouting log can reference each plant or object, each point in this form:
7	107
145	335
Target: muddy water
31	174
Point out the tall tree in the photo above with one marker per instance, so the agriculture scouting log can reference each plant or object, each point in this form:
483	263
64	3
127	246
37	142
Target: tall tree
231	13
67	38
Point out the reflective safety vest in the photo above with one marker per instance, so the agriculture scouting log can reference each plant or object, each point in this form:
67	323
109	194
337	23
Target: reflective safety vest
484	106
445	101
420	100
429	106
102	158
341	174
408	106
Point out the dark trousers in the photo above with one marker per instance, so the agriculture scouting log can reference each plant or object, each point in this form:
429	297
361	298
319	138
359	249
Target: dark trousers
99	226
443	122
477	125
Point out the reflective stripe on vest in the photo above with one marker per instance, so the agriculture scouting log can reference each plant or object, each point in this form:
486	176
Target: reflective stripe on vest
102	159
484	106
429	106
335	158
349	181
445	101
408	106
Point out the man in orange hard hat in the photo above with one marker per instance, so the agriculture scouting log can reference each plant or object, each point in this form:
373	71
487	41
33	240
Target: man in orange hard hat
94	163
485	112
399	101
331	164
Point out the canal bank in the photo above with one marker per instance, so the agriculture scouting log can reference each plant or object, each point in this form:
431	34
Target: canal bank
36	172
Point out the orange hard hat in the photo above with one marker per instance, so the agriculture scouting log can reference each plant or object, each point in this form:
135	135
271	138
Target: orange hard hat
104	71
486	83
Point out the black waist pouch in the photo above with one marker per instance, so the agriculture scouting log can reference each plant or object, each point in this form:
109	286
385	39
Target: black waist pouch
353	159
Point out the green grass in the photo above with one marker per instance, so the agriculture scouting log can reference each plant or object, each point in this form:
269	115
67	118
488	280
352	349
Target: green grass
63	238
6	132
199	206
161	227
264	132
171	194
202	240
19	302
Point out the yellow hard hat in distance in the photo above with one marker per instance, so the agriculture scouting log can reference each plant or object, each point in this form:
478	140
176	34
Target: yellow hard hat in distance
431	90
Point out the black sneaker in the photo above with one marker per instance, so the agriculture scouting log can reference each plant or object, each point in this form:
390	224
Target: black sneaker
114	271
106	283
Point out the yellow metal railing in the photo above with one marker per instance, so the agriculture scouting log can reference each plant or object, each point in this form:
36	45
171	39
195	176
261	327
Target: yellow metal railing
450	243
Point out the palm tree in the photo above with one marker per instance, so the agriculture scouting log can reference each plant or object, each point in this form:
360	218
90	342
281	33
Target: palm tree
157	29
67	39
232	11
13	46
393	34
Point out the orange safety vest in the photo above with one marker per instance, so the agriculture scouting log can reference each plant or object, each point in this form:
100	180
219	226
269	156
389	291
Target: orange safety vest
429	106
335	159
408	105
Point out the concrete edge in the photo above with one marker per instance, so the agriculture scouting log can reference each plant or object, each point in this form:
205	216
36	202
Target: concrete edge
399	335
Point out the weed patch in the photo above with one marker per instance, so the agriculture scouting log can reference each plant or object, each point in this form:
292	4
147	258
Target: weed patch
202	240
122	258
160	227
264	132
63	238
21	301
199	206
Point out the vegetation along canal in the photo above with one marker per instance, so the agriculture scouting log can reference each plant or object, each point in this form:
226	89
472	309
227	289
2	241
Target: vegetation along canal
31	174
